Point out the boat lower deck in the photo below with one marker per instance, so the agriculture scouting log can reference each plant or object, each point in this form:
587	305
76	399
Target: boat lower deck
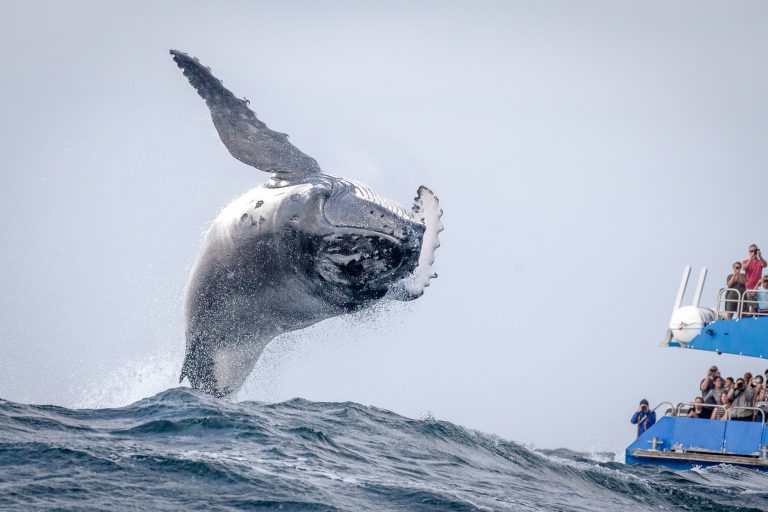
686	442
689	459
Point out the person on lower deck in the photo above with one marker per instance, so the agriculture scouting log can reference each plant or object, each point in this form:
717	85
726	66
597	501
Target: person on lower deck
644	418
713	396
737	281
758	393
708	382
724	412
698	411
741	398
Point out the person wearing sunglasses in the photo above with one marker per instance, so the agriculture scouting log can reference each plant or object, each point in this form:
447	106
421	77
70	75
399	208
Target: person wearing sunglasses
753	269
736	281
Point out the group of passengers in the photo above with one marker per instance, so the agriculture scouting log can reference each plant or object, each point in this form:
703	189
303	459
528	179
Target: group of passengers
721	398
746	283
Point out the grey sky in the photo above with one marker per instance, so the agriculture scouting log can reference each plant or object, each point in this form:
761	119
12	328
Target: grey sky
583	153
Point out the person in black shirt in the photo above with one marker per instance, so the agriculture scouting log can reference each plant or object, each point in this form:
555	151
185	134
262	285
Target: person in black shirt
698	411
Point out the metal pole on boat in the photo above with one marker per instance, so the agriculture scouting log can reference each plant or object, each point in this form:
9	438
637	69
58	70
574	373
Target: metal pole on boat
700	286
683	286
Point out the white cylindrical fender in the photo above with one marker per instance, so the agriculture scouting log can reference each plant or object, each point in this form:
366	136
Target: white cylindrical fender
688	321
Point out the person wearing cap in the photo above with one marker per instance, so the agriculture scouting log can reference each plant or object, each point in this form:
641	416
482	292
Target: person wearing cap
708	382
644	417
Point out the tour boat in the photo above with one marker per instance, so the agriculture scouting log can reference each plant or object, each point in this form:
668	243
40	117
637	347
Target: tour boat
680	442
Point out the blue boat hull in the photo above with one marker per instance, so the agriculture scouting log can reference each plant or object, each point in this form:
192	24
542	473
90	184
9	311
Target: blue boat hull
681	442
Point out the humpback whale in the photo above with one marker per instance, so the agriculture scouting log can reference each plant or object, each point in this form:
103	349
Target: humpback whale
303	247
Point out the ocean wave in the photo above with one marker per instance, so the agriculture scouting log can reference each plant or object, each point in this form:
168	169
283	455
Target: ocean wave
180	448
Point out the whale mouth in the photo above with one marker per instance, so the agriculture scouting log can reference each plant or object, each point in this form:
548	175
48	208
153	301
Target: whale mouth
365	263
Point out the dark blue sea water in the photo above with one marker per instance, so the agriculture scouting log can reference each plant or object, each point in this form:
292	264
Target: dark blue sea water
182	450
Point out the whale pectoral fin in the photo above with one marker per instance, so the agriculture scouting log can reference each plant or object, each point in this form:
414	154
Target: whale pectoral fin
247	138
426	210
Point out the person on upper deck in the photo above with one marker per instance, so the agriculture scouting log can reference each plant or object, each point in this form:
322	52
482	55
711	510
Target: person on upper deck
698	411
736	280
741	398
753	268
644	417
761	295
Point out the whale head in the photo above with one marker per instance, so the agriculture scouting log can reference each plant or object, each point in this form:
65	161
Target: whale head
365	243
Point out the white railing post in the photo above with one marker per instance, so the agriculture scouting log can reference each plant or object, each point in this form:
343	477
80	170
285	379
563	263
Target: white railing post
683	286
700	286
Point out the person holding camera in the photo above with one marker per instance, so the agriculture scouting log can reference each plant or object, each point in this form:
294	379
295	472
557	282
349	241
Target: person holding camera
708	382
736	281
753	269
644	418
741	397
714	396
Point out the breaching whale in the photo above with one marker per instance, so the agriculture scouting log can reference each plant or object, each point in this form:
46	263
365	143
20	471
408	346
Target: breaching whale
303	247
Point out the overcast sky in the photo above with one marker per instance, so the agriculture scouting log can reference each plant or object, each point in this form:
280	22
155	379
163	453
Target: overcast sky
583	153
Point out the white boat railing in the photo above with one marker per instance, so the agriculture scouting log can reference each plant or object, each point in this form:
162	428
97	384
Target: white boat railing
755	300
726	410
